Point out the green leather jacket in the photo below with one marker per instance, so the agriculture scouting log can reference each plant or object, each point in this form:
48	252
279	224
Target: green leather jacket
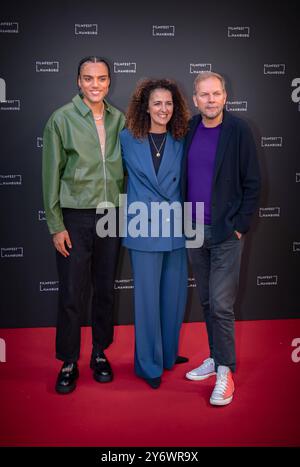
75	172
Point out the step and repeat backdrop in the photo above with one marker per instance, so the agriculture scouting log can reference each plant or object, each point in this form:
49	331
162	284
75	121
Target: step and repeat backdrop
255	45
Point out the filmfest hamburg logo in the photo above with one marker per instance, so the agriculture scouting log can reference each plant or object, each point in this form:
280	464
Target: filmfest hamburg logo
269	212
10	180
271	141
274	69
296	247
237	106
41	215
124	67
123	284
39	142
267	280
163	31
196	68
238	31
49	286
12	252
47	66
9	27
86	29
11	104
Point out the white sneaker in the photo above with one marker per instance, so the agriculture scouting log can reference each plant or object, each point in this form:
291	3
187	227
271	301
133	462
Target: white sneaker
224	388
203	371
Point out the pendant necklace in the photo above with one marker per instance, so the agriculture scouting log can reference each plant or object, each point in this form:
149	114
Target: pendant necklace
158	150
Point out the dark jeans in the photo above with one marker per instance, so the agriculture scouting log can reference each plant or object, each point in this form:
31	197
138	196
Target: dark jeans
216	269
90	257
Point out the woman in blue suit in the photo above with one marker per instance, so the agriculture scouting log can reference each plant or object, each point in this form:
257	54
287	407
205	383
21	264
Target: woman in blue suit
152	148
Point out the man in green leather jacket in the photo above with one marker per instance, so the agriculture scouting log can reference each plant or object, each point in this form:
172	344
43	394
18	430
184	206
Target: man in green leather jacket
82	167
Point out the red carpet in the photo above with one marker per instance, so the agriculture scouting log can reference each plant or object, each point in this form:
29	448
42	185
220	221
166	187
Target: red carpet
265	410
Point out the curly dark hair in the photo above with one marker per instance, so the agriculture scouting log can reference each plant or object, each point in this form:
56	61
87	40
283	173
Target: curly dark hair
138	119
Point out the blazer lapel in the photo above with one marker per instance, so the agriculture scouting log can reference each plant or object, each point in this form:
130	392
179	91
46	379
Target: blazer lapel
146	164
192	130
147	161
171	152
193	124
226	130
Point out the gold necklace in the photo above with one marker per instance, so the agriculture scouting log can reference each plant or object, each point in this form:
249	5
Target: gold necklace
158	150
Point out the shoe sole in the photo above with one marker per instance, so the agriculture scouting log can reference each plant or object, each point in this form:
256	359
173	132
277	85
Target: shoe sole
103	379
199	378
221	402
153	385
65	390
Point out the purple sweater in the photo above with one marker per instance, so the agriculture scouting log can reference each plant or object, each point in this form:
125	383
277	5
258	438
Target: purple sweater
201	159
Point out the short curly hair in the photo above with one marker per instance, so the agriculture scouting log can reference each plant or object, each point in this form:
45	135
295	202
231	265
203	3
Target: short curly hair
138	119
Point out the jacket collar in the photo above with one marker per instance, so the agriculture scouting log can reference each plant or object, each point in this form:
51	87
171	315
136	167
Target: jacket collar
84	109
171	152
225	133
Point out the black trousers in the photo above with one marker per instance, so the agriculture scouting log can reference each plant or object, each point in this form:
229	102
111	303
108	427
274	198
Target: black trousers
90	257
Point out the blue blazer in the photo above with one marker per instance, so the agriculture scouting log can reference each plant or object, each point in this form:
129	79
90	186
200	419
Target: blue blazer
147	186
236	179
